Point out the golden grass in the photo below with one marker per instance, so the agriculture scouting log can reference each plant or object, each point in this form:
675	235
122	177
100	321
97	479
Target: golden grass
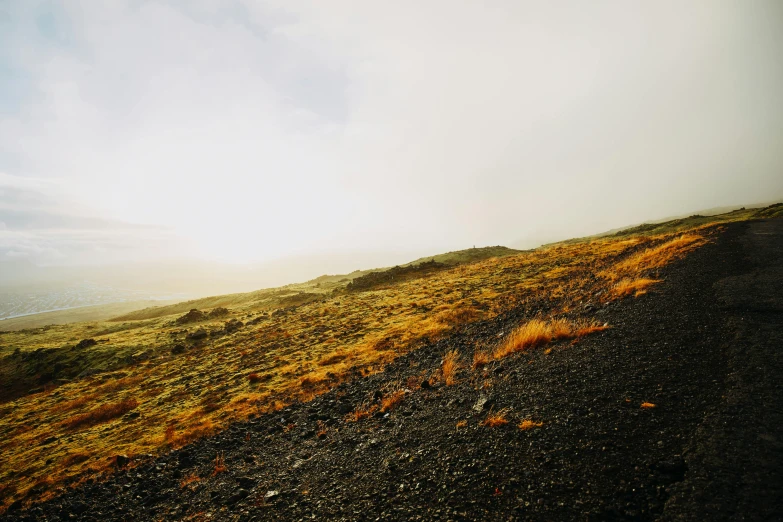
531	334
481	359
637	286
655	257
537	332
495	419
391	401
362	412
450	367
528	424
101	414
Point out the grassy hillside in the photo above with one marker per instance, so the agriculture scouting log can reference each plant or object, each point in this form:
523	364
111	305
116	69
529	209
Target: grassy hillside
469	255
76	396
687	223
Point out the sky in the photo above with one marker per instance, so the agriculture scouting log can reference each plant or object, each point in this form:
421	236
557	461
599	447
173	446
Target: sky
254	131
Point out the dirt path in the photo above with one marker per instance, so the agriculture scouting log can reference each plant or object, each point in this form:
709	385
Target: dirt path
703	347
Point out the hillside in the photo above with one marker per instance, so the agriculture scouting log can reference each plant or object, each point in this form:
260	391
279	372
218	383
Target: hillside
415	369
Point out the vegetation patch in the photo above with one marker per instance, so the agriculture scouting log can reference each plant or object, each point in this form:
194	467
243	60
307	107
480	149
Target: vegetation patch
101	414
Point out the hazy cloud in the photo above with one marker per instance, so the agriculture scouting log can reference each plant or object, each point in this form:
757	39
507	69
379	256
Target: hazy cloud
258	130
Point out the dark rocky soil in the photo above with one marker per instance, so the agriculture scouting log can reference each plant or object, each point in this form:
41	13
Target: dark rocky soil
704	346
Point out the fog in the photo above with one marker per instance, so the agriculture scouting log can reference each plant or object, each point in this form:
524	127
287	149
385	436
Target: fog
304	137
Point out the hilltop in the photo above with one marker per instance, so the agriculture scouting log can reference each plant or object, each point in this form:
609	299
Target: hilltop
471	389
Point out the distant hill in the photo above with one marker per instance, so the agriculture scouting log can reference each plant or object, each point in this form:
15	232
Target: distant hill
685	223
469	255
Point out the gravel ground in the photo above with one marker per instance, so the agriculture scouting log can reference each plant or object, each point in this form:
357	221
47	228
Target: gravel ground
703	347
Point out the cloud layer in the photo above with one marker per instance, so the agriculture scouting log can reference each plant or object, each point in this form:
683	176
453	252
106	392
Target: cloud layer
256	130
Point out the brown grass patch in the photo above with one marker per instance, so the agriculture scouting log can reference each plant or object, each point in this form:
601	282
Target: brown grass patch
659	256
76	458
393	400
587	327
101	414
258	377
529	335
450	367
311	381
121	384
495	419
220	464
190	480
362	412
332	359
202	429
481	359
628	286
72	405
528	424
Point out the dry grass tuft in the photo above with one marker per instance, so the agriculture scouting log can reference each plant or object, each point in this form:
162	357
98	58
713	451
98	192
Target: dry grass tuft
391	401
203	429
362	412
561	329
450	367
537	332
531	334
76	458
481	359
496	419
528	424
190	480
72	405
220	464
257	377
101	414
628	286
586	327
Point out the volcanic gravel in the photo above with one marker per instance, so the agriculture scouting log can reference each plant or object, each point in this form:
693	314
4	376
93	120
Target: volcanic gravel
704	346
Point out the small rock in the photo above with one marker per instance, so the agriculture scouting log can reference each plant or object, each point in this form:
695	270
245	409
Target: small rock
236	497
121	461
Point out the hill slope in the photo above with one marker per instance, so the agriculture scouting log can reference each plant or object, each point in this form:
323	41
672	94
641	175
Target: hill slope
631	423
153	385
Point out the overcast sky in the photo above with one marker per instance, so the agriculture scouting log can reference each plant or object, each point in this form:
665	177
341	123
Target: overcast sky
248	131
